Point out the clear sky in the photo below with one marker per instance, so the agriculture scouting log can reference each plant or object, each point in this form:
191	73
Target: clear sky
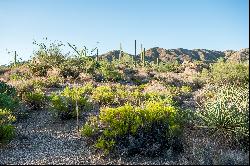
190	24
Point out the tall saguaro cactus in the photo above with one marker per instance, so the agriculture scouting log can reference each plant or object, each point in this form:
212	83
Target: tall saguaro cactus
120	55
141	53
15	61
97	58
144	51
134	58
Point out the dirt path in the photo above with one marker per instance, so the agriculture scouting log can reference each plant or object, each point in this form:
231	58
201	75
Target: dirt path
41	139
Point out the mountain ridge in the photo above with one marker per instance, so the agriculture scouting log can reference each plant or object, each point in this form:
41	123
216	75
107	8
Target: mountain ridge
182	54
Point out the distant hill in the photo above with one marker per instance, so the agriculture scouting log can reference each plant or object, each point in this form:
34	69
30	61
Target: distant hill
181	54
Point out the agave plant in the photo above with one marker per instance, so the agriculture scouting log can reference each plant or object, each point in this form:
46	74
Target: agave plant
227	112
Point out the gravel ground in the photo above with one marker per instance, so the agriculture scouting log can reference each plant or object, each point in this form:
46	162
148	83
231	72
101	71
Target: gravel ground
40	139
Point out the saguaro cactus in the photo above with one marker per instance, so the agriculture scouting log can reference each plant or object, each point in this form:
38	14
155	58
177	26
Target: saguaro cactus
134	58
144	51
15	55
141	53
120	55
97	58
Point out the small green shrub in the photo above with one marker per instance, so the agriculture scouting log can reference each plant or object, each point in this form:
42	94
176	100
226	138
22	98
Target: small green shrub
167	66
103	95
8	102
90	127
186	89
6	129
35	99
153	123
109	72
53	82
7	89
65	103
39	69
72	67
8	99
227	73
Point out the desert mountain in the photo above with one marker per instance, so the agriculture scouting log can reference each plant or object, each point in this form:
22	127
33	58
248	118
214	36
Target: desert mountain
181	54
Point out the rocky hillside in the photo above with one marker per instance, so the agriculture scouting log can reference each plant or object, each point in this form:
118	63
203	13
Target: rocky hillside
181	54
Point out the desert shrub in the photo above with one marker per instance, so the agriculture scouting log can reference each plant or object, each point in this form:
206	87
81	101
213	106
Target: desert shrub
108	72
7	89
35	99
72	67
3	69
87	89
8	102
46	57
19	76
49	53
8	99
126	61
6	129
159	97
65	103
116	95
226	114
167	67
147	130
227	73
53	82
90	127
103	95
186	89
40	69
90	65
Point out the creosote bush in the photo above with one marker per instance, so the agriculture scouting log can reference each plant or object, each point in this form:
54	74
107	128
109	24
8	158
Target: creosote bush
6	129
65	103
230	72
8	103
108	72
35	99
148	129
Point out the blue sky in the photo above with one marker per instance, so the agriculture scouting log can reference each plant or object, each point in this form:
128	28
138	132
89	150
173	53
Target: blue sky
190	24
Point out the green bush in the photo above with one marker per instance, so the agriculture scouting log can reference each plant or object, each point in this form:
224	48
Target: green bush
167	67
39	69
65	103
103	95
227	73
90	127
8	97
6	129
8	102
226	114
35	99
109	72
49	53
53	82
72	67
138	129
186	89
7	89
